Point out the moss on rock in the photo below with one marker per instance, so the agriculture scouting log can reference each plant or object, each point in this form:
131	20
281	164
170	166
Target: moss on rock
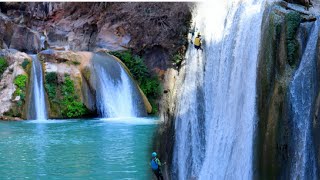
3	65
292	23
86	72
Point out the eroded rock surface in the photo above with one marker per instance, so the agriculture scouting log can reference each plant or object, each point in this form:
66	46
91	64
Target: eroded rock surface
10	105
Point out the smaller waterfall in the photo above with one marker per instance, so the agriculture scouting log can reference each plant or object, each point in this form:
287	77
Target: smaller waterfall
37	103
302	95
116	94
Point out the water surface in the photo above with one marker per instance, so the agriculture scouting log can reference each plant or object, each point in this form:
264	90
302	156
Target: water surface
76	149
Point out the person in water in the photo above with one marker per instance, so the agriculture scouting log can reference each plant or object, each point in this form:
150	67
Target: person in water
156	165
197	42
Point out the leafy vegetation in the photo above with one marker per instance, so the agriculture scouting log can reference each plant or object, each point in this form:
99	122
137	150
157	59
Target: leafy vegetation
51	81
3	65
21	82
135	64
293	21
72	107
150	85
76	63
63	96
177	59
25	64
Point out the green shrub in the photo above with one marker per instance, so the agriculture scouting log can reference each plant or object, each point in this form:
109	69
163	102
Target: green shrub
72	107
17	92
67	87
51	89
134	63
177	59
293	21
51	77
3	65
150	85
21	81
75	109
20	103
63	96
51	81
25	63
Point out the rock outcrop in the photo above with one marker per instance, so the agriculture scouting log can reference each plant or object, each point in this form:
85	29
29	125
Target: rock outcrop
111	26
14	84
155	31
284	38
17	36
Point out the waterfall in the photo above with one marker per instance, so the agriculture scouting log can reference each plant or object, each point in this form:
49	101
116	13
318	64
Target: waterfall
216	114
116	94
302	95
37	104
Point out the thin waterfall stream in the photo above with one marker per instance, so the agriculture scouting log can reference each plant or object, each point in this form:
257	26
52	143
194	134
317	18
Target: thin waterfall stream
37	106
302	95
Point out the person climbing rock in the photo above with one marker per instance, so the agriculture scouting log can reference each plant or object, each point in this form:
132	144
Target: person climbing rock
197	42
156	165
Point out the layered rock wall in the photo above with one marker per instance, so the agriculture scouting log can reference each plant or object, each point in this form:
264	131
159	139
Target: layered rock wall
284	38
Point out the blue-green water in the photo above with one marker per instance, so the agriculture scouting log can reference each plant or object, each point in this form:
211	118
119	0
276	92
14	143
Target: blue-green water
76	149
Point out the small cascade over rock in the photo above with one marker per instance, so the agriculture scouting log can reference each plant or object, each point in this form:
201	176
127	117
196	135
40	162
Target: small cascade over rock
303	92
116	94
37	104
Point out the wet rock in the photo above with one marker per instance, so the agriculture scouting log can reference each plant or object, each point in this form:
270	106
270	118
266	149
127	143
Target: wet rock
164	141
274	141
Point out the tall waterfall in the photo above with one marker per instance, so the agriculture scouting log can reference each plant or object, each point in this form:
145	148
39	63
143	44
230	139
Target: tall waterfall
216	114
302	95
37	103
116	94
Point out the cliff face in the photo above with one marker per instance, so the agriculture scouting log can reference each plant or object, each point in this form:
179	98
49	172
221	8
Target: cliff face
284	39
155	31
111	26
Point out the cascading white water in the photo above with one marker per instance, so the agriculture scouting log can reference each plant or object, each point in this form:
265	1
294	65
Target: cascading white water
302	96
190	118
37	104
114	95
218	143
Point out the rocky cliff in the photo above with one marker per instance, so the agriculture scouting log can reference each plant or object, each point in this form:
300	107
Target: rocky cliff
285	34
154	31
143	27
